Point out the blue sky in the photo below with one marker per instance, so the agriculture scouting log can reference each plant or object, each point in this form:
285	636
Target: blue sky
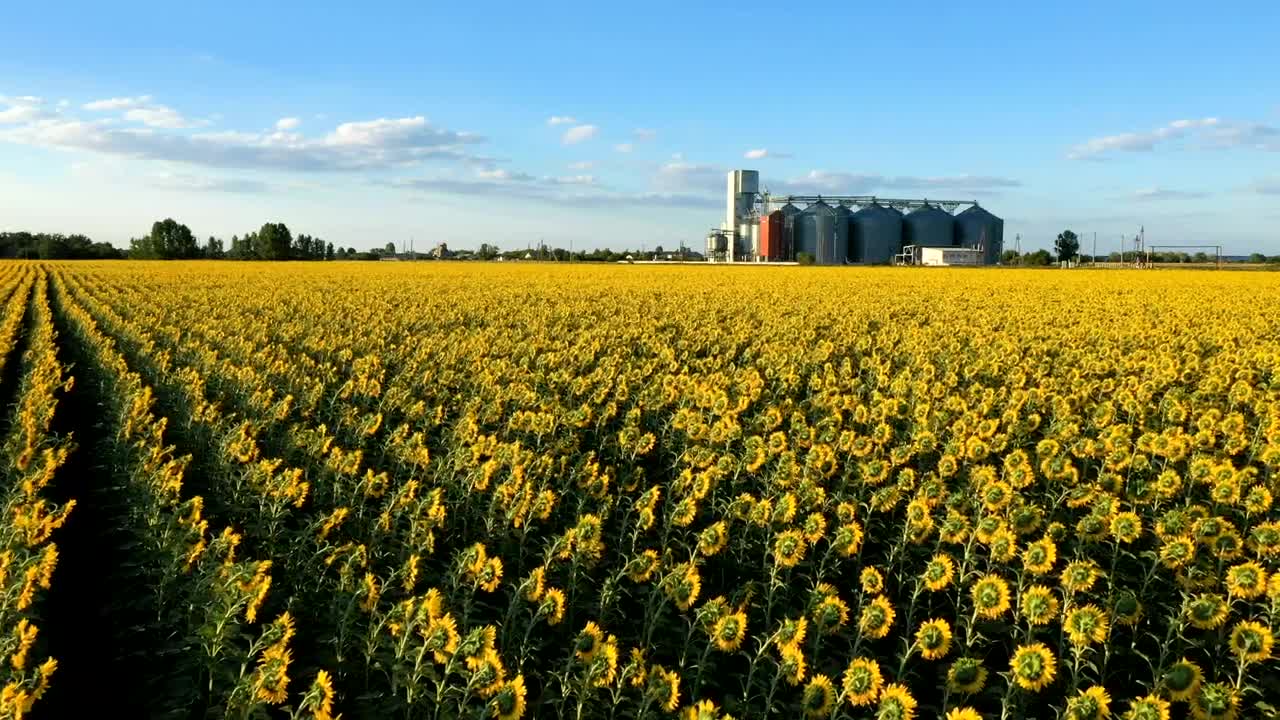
600	124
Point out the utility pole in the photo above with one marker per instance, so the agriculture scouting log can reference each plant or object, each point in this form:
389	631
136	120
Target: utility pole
1095	249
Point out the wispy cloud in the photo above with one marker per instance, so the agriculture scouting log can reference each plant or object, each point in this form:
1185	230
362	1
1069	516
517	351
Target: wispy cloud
193	183
847	183
680	175
142	109
645	134
624	147
578	134
581	165
354	146
574	191
561	120
288	123
118	103
762	153
1213	132
1155	193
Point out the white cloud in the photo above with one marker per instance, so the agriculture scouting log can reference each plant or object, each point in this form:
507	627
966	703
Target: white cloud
119	103
160	116
21	114
581	165
503	175
645	134
579	133
1155	193
555	191
573	180
763	153
288	123
846	183
354	146
21	100
561	120
681	175
624	147
1216	133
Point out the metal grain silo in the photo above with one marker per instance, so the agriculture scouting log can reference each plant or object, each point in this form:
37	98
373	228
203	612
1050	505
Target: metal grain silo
977	228
875	234
816	233
789	214
929	226
843	217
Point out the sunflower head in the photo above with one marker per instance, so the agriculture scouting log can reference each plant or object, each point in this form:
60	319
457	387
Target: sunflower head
967	675
934	639
963	713
872	581
877	618
1215	701
1033	666
1207	611
896	703
818	697
862	682
1038	605
1251	641
990	596
1090	704
1182	679
1246	580
1148	707
939	572
831	614
1086	625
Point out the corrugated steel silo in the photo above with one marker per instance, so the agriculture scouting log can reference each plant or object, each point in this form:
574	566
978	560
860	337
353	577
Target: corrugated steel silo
843	217
875	234
816	230
789	214
929	226
975	228
771	236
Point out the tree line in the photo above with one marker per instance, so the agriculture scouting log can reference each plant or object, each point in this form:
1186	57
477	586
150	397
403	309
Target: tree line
54	246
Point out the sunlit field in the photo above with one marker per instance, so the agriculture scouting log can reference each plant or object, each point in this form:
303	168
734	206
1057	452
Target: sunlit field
449	490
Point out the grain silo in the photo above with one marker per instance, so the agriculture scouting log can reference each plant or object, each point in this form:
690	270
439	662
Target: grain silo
929	226
875	234
820	235
977	228
789	214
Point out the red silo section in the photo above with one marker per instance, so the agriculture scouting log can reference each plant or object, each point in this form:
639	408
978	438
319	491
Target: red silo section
771	236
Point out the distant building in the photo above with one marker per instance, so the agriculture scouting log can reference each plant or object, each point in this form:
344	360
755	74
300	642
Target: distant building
441	252
940	256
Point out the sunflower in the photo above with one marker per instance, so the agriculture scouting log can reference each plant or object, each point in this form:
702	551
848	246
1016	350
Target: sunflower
1148	707
1126	527
1033	666
792	666
963	713
934	639
862	682
896	703
814	527
1090	704
1215	701
1004	546
1207	611
872	581
987	528
848	539
1080	576
1258	500
490	574
510	701
701	710
1177	552
664	688
967	675
552	605
818	697
1086	625
487	673
1251	641
1038	605
996	495
830	614
1247	580
588	642
791	631
642	566
1038	558
990	596
1182	679
788	548
877	618
713	538
729	630
939	572
1127	608
441	637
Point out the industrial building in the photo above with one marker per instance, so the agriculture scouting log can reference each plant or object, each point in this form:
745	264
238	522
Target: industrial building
850	229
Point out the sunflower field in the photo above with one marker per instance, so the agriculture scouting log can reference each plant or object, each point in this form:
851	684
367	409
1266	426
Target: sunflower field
449	490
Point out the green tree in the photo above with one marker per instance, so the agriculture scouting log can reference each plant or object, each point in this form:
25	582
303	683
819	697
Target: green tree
170	239
274	242
213	248
328	251
1009	257
390	248
1067	245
